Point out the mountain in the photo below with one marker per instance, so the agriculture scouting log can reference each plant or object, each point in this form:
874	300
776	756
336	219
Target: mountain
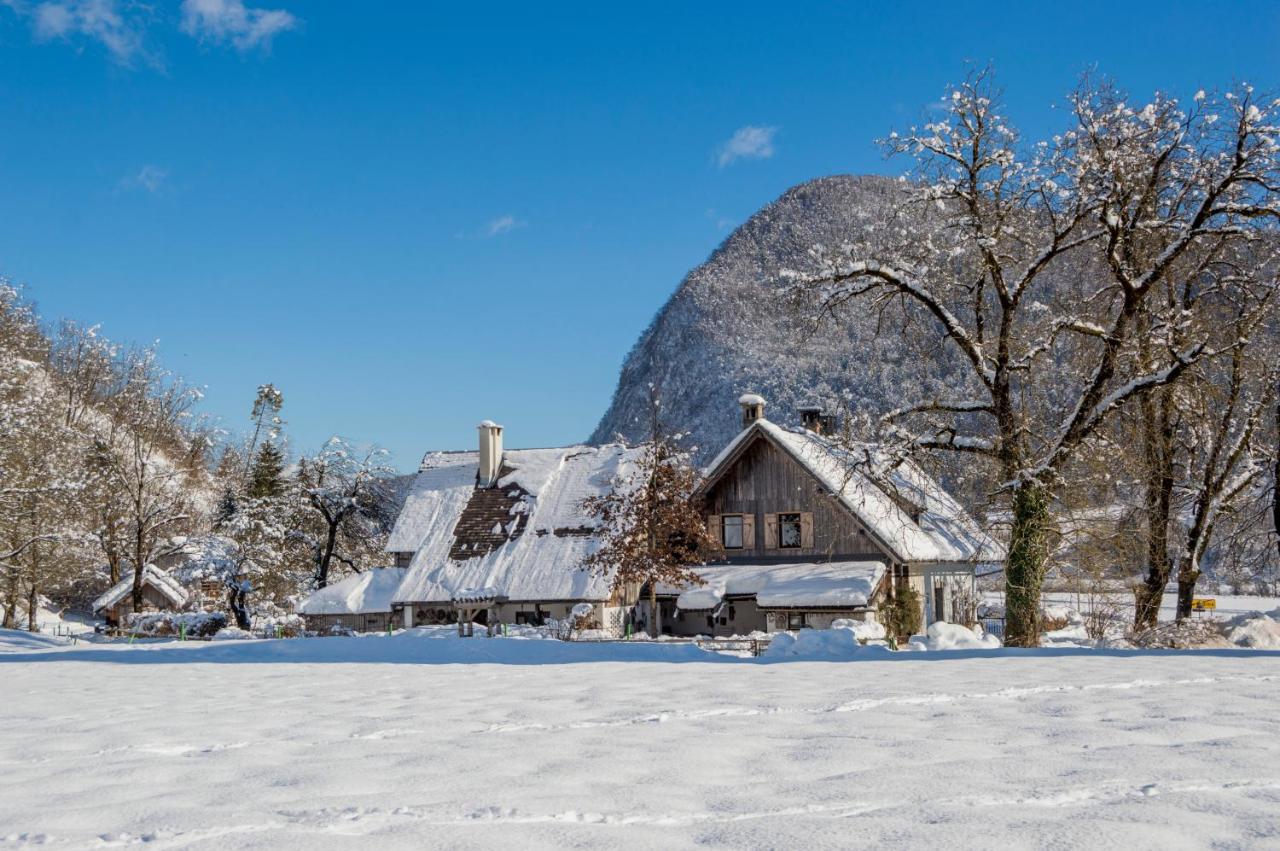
730	329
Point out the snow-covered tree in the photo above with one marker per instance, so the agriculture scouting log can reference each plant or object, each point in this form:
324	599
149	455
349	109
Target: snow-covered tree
340	502
1033	266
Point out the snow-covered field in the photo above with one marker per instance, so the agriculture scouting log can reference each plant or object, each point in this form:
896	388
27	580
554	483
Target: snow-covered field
390	743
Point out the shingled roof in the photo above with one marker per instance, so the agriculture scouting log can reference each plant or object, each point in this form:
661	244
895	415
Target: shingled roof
522	539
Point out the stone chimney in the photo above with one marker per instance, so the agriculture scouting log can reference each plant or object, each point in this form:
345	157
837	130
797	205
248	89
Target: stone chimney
490	454
811	417
752	408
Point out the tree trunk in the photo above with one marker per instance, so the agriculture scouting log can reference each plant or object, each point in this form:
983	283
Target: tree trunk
1158	445
655	619
139	566
33	609
1188	575
326	555
33	591
238	603
10	620
1025	564
1275	484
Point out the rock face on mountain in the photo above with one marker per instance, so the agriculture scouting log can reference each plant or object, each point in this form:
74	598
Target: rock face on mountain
728	329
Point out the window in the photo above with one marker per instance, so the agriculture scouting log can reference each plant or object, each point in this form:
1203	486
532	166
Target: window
732	531
403	559
789	535
795	620
529	618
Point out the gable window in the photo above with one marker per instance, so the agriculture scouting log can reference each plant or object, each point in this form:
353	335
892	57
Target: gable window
732	531
789	536
403	559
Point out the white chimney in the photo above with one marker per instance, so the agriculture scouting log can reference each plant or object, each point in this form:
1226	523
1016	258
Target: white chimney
490	453
752	408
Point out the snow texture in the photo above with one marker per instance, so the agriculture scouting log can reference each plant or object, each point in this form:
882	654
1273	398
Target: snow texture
827	584
944	532
366	592
337	743
538	564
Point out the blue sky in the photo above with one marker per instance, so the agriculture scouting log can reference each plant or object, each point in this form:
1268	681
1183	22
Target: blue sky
412	216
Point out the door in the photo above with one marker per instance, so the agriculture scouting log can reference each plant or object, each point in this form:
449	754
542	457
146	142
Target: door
939	601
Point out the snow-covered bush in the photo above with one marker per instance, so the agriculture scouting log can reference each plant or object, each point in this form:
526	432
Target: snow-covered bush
190	624
839	642
1188	634
1255	630
952	636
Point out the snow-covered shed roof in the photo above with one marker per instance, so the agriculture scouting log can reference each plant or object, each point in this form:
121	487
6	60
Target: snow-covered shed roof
367	592
534	552
943	531
152	576
826	585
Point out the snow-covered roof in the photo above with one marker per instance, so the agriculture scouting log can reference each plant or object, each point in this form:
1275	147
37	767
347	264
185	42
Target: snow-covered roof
750	399
366	592
944	531
540	561
153	576
835	585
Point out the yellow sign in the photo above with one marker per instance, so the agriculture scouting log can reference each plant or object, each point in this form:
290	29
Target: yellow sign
1203	604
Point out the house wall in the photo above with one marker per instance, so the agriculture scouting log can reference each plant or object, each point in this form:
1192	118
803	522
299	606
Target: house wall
736	617
958	589
611	619
766	480
152	601
366	622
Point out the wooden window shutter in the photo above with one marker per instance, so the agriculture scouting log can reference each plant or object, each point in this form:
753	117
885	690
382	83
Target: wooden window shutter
716	529
748	531
806	530
771	531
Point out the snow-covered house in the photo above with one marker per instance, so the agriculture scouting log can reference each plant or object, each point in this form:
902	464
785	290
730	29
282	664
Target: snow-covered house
361	602
160	592
498	535
814	530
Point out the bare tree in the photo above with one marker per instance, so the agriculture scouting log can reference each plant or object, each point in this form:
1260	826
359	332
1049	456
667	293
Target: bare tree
653	529
1034	264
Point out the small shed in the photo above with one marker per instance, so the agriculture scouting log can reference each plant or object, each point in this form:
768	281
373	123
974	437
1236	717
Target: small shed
160	593
361	603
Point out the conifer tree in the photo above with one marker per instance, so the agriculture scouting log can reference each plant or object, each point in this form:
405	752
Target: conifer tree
265	476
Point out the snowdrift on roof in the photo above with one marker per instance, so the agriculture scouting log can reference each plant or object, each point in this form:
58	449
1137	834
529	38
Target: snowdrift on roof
367	592
537	564
152	576
835	585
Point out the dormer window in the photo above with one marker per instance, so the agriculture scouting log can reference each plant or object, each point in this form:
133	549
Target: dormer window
732	531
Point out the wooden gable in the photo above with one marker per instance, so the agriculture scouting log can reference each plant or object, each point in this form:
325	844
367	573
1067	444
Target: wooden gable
762	482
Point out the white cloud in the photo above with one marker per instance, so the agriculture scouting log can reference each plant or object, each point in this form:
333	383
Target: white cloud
502	224
747	143
118	28
150	178
230	21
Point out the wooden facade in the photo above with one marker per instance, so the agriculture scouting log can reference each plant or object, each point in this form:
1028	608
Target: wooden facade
764	482
152	601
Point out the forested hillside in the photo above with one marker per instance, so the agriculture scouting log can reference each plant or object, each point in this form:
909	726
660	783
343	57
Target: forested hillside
106	466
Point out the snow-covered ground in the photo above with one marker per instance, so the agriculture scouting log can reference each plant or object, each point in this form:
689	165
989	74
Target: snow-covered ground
388	742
